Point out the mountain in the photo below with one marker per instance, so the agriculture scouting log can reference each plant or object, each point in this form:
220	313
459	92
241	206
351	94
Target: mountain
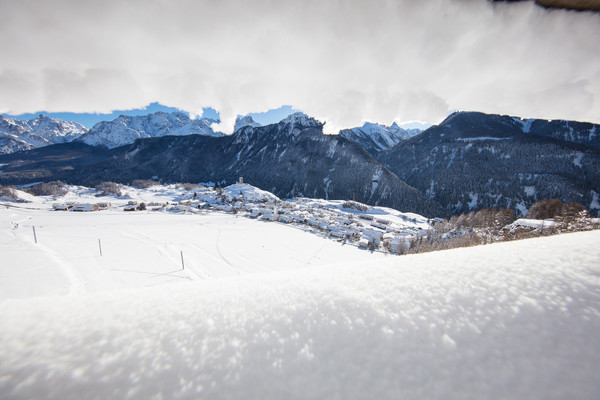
126	129
567	131
376	137
242	121
468	162
17	135
474	160
290	158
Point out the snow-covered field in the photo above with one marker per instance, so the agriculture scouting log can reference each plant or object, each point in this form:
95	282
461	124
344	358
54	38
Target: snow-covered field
266	310
144	249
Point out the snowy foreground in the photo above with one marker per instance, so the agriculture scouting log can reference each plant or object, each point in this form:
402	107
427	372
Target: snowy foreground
509	320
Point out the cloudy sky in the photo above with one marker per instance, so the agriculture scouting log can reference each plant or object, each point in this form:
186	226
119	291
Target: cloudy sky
343	62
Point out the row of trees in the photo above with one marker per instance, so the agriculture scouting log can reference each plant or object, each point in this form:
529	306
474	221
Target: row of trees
54	188
495	225
8	192
545	209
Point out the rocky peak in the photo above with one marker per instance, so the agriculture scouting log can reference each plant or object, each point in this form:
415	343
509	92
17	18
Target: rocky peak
126	129
242	121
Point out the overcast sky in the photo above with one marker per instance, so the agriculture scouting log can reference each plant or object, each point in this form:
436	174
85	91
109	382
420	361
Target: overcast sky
343	62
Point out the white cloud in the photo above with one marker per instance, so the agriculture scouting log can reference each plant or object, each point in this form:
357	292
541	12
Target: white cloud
340	61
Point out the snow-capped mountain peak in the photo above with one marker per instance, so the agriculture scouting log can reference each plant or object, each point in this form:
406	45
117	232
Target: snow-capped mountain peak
375	137
299	119
17	135
242	121
126	129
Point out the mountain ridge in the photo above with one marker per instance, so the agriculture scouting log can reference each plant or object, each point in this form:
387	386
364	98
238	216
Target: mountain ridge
18	135
126	129
291	158
474	160
469	161
376	137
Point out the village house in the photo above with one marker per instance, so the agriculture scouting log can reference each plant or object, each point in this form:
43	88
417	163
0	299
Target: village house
269	217
378	225
104	205
338	234
363	243
85	207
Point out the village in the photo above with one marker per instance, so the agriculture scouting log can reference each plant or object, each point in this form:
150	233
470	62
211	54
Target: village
367	227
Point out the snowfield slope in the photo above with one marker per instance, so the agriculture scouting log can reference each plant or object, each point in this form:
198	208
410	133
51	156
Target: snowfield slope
509	320
142	249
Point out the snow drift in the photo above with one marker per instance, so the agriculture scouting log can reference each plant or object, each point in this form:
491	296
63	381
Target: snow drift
510	320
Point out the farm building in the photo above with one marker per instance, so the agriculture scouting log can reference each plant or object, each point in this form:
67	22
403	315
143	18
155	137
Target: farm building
85	207
61	207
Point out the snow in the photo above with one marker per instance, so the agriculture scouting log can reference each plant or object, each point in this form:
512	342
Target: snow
38	132
143	249
509	320
381	136
248	193
327	183
595	204
401	219
525	123
126	129
529	190
521	208
577	160
482	138
299	118
331	150
282	153
474	199
530	223
592	133
268	310
243	121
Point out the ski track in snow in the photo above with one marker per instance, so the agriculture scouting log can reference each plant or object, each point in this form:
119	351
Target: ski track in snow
74	280
221	254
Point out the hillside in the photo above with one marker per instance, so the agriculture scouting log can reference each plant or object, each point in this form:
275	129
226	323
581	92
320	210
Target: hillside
473	160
